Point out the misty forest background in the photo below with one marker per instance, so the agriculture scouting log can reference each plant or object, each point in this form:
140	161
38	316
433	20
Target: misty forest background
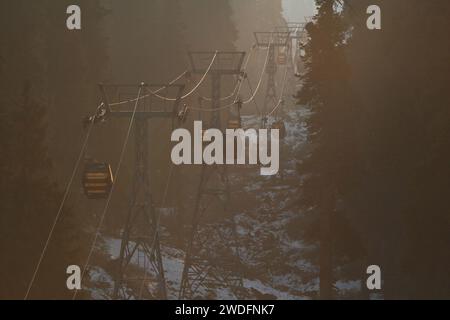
375	180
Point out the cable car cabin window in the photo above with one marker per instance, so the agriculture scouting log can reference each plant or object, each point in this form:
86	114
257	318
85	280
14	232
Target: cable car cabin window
97	180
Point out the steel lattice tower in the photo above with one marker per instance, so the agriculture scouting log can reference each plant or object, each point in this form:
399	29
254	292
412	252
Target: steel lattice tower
140	243
271	41
204	269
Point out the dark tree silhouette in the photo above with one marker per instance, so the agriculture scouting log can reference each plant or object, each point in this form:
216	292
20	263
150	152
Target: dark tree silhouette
325	88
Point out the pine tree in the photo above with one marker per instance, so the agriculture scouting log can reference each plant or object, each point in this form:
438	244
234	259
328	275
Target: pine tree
385	162
32	198
399	75
326	91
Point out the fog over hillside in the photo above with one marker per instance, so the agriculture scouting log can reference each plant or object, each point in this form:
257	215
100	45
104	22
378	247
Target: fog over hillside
153	149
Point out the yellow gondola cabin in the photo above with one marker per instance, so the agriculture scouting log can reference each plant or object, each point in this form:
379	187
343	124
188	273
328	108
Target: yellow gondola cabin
97	180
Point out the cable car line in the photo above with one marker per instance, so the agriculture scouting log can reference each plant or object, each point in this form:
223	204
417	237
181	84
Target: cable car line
193	89
231	95
122	154
156	91
280	100
261	76
235	93
239	86
253	95
61	206
239	81
254	46
254	100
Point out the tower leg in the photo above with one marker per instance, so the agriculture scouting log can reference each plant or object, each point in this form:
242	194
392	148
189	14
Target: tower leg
203	269
271	91
141	230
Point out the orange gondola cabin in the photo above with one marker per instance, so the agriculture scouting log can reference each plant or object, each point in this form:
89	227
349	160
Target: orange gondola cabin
97	180
282	58
234	123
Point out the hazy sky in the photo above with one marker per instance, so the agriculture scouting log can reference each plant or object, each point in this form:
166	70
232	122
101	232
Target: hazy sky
296	10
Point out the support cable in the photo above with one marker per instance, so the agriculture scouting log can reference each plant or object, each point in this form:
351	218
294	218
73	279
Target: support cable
261	76
239	87
193	89
156	91
61	206
254	100
280	100
231	95
122	154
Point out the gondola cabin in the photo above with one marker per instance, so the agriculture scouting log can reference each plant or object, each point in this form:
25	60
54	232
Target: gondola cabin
281	127
281	58
234	123
97	180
